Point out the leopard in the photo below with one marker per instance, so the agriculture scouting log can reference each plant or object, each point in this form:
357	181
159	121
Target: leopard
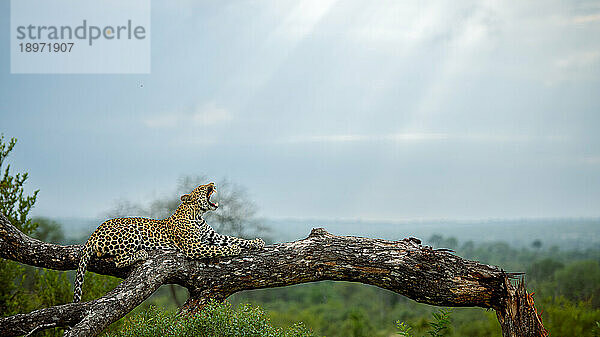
129	240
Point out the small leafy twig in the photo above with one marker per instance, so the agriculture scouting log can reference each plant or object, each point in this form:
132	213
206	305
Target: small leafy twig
441	322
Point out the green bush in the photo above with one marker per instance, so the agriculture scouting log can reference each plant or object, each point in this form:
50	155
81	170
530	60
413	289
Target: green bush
562	317
216	319
15	204
580	281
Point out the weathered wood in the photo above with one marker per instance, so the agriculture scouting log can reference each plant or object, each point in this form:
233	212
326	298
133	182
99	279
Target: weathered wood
517	314
406	267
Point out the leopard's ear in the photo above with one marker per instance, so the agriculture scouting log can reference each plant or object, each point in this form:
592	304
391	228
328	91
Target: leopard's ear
186	198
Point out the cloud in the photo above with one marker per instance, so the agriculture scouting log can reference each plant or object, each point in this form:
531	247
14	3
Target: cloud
303	17
574	66
591	160
579	59
420	137
202	115
586	19
363	138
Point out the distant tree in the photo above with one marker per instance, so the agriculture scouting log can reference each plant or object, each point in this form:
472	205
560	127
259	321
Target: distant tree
48	230
544	269
536	244
438	241
468	247
235	216
435	240
451	243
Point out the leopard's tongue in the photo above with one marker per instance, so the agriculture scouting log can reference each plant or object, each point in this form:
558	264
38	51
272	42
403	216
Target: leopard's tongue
214	204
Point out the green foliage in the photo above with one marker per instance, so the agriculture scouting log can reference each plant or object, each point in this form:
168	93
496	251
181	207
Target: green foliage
440	324
97	285
404	329
12	278
357	323
475	322
51	288
580	281
329	308
568	319
15	205
216	319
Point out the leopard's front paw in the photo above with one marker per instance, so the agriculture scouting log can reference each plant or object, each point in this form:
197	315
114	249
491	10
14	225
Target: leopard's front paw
258	243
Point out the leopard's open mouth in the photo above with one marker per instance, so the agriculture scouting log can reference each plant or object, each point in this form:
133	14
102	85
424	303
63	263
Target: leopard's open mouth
212	190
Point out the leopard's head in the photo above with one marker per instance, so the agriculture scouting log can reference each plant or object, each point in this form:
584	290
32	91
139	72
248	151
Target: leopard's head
200	198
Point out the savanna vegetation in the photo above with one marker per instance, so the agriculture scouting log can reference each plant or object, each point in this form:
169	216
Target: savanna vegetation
566	284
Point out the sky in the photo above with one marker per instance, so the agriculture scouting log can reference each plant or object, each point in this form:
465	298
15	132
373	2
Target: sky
383	110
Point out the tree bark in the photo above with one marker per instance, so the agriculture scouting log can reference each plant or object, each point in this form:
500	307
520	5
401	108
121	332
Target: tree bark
518	315
419	272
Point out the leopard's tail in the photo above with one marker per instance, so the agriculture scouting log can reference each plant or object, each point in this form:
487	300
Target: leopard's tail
88	250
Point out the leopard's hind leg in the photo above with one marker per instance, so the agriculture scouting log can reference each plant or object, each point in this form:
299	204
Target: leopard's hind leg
125	260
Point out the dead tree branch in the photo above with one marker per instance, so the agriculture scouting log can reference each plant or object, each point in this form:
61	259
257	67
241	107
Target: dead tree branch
405	267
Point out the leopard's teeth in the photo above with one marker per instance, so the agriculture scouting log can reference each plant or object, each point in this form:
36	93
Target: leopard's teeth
217	204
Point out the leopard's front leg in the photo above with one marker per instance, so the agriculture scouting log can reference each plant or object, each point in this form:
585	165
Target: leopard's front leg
215	238
193	247
225	241
202	251
257	243
211	237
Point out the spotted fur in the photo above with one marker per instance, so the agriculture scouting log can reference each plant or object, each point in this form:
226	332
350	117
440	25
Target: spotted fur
128	240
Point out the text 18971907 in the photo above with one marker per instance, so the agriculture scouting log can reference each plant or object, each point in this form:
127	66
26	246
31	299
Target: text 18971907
46	47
